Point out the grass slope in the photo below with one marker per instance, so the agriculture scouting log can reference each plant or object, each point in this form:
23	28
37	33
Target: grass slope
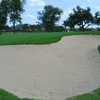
94	95
4	95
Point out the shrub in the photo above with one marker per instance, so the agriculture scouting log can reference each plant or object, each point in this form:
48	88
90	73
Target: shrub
99	48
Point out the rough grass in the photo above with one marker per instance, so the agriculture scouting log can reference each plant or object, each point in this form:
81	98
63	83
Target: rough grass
94	95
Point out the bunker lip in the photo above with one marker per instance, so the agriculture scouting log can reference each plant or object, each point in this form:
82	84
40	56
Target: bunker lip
51	72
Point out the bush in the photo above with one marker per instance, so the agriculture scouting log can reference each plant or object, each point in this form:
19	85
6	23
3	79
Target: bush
99	48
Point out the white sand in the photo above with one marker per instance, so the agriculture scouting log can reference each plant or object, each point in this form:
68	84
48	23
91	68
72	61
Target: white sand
51	72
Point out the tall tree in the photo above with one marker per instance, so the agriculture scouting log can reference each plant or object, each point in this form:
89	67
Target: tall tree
80	17
3	14
16	9
97	18
49	16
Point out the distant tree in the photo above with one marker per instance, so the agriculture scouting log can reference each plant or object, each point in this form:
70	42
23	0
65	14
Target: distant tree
69	23
49	16
16	9
39	26
32	27
25	27
7	28
65	23
3	14
80	17
59	28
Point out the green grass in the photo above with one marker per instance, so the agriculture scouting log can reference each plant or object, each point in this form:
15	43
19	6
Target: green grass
4	95
99	48
94	95
37	38
30	38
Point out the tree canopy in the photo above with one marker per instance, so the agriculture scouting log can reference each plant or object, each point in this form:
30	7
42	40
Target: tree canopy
97	18
49	16
16	8
11	9
3	14
80	17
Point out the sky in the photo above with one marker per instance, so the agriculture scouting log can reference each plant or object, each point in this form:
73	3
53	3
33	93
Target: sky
33	6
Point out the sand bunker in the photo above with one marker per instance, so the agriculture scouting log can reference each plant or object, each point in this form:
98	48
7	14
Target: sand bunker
51	72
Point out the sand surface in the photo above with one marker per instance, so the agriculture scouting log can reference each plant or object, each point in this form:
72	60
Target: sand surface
51	72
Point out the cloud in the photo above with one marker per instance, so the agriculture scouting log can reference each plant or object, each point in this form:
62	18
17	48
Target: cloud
94	4
31	16
66	13
36	2
89	1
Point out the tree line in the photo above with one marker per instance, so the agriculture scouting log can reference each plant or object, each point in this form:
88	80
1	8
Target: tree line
81	17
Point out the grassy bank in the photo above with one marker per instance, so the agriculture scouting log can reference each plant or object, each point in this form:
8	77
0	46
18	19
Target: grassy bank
94	95
37	38
4	95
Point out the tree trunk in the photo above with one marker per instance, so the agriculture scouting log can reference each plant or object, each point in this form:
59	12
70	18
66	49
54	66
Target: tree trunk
83	29
0	32
14	27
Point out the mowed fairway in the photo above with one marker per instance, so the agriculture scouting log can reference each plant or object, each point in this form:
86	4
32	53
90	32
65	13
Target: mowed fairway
50	72
37	38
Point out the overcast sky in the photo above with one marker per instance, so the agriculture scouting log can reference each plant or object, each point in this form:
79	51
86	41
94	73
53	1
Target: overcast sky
33	6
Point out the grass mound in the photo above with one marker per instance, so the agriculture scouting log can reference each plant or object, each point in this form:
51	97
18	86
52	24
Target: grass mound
94	95
4	95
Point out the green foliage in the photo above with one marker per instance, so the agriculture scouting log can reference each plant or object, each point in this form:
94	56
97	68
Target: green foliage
3	14
15	10
59	29
69	23
99	48
4	95
97	18
49	16
81	17
95	95
25	27
31	28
